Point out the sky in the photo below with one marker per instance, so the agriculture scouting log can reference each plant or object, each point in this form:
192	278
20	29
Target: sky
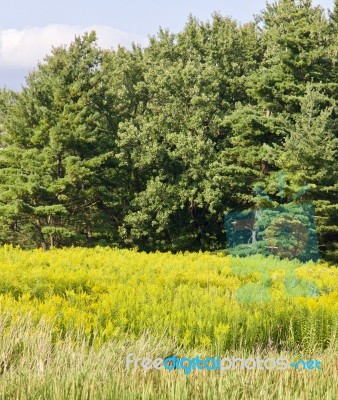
28	29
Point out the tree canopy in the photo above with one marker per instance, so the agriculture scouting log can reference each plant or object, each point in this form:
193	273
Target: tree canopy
149	147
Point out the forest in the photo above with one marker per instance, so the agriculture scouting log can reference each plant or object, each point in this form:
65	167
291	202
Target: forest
149	148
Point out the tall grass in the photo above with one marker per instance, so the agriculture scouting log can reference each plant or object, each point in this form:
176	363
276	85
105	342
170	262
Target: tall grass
35	366
68	319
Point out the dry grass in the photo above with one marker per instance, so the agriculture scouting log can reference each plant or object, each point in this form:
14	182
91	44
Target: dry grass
34	365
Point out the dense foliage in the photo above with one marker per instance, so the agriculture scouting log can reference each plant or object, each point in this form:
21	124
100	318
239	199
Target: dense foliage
150	147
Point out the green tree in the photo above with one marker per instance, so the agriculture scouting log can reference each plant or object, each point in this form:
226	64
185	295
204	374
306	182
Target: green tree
192	81
59	149
308	156
296	40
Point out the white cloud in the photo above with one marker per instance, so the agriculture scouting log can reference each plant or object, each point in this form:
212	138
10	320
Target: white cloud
24	48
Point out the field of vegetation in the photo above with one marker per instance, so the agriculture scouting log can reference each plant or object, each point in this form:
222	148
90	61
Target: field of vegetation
69	318
124	174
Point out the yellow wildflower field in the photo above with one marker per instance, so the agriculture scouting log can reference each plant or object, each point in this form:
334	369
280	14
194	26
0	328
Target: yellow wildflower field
189	297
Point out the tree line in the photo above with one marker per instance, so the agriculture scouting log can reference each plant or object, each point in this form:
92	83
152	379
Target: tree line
150	147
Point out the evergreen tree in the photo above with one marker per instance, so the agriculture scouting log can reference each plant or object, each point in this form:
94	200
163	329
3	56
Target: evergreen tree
296	41
58	150
309	156
150	147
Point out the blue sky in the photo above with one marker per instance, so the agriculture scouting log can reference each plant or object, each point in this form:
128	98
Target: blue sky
28	29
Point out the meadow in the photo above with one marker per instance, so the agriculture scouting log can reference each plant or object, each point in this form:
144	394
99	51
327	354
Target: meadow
69	317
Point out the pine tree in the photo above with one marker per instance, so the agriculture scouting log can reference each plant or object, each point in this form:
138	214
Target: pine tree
58	150
296	41
309	156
